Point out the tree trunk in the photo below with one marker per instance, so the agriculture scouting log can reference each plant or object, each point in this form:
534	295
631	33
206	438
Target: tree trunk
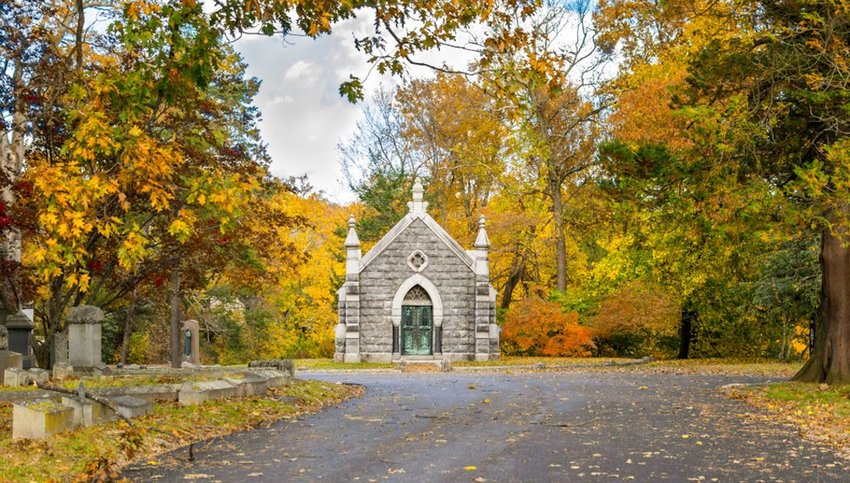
514	277
686	331
128	328
830	361
12	149
560	239
175	319
81	23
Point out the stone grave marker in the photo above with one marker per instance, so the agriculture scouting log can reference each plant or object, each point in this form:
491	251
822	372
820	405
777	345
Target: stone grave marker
84	336
191	342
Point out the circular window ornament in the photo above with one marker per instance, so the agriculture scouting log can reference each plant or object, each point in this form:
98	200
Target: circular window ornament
417	261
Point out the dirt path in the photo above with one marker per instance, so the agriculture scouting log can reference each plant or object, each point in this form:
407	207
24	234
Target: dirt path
559	426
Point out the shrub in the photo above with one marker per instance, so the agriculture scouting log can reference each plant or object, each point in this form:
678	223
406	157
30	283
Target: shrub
637	319
535	327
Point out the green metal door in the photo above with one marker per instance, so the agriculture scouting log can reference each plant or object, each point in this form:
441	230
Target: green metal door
416	329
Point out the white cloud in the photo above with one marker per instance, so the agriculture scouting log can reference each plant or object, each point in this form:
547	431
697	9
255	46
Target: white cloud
301	70
282	99
304	117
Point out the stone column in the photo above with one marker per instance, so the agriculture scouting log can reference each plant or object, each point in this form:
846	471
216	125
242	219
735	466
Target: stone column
191	330
484	307
84	336
350	297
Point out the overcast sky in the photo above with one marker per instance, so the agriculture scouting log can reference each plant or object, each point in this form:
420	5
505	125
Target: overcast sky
303	115
304	118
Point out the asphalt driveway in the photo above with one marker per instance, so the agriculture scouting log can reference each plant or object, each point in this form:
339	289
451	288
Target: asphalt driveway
556	426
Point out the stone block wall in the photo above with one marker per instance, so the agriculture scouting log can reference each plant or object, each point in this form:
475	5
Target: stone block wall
381	279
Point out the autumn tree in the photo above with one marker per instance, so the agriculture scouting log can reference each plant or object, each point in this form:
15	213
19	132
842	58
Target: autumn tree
36	60
457	132
545	85
783	84
160	162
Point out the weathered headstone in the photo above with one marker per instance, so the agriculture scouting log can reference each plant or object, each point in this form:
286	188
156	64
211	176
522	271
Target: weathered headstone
131	407
16	377
88	412
40	419
198	392
9	360
84	336
191	342
59	348
40	376
248	384
62	370
274	378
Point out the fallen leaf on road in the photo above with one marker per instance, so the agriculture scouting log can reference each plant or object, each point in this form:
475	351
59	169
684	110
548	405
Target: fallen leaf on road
470	468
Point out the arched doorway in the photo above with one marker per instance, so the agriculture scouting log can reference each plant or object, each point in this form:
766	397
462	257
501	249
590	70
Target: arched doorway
417	322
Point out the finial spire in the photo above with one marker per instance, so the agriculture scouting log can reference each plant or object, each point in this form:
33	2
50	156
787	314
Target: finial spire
417	206
482	241
351	241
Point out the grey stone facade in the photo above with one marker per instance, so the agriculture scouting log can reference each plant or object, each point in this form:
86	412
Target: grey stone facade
375	303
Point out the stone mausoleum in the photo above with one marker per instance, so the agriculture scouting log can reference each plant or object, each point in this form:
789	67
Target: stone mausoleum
417	295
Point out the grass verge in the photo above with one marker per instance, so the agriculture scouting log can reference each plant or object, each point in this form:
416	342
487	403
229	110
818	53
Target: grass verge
547	361
321	364
726	366
820	412
101	450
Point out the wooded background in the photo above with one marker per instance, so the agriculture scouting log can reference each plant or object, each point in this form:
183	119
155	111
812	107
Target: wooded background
662	178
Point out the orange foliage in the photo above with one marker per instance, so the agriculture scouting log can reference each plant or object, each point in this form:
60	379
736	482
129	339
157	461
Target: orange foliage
637	307
536	327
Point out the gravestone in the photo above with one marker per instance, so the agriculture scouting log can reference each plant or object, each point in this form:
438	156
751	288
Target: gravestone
59	348
132	407
40	419
19	328
62	370
16	377
84	336
191	342
8	359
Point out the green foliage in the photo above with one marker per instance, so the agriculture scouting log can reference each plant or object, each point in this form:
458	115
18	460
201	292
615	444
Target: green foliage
382	193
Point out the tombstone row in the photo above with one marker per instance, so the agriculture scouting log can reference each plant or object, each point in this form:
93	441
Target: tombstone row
79	346
43	418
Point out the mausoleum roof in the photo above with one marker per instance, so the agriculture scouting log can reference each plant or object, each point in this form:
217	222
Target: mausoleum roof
417	212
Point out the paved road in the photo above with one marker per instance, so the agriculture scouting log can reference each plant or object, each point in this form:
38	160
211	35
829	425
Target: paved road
561	426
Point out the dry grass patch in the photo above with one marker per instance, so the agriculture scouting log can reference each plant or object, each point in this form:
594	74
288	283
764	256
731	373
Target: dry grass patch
820	412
